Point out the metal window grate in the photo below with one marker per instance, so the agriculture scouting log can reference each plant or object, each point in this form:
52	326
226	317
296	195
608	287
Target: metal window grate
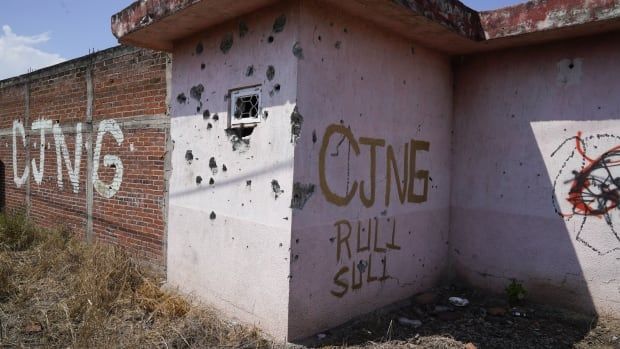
245	106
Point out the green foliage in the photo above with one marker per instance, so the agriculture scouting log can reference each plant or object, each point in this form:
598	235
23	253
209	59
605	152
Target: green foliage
516	292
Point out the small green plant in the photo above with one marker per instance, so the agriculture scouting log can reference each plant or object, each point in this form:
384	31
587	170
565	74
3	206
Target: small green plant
516	292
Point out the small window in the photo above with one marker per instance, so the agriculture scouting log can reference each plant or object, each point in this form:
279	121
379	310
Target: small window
245	106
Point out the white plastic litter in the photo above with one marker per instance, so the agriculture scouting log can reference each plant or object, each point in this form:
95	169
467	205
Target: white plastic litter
458	301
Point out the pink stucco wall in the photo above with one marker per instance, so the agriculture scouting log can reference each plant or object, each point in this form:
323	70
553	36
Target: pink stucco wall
386	91
519	207
487	149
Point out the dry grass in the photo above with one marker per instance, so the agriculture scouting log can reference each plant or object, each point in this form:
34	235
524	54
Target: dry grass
58	292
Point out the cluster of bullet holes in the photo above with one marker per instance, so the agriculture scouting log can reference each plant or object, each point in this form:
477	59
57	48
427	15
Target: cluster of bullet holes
239	137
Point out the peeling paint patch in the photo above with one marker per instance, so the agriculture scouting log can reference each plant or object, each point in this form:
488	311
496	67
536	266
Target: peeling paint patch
277	190
297	121
227	43
301	195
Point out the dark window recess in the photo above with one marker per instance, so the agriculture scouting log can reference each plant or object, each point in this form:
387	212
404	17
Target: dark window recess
246	107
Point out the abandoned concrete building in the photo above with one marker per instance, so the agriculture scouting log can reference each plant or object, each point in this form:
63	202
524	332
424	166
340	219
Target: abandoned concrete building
298	163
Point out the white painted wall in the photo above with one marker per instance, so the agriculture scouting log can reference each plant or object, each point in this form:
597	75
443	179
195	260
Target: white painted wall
229	241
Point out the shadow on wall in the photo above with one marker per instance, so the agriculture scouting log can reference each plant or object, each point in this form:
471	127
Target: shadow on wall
534	198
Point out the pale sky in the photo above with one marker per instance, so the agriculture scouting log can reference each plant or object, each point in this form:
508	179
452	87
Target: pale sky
38	33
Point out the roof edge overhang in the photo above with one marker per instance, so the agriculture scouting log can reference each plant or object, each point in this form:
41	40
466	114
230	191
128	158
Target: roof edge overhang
445	25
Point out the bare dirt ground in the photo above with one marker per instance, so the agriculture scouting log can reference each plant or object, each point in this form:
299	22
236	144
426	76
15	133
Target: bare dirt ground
486	322
57	292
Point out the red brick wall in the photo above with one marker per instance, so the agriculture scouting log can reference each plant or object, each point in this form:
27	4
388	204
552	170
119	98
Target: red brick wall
126	87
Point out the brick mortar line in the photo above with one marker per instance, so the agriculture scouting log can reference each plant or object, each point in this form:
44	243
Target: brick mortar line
159	121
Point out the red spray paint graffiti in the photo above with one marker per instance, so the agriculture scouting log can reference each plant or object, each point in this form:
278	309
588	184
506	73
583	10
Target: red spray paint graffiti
594	187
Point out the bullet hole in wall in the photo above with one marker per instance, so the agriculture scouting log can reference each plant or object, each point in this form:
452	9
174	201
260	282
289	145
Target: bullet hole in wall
196	92
248	183
277	87
265	114
227	43
412	50
203	66
314	137
189	156
206	114
216	117
212	216
243	29
298	51
224	168
320	38
209	126
297	121
271	72
199	48
198	180
301	195
270	39
279	24
211	181
337	45
212	164
239	137
249	71
277	190
181	98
